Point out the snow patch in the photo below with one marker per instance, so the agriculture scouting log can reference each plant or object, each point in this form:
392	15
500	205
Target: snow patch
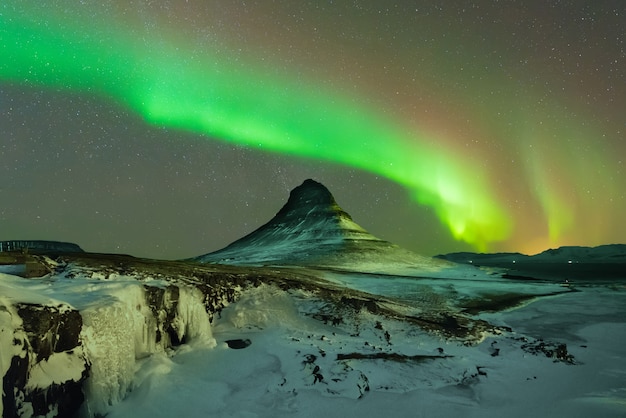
260	308
58	368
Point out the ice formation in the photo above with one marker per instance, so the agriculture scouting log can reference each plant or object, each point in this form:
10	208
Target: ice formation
117	326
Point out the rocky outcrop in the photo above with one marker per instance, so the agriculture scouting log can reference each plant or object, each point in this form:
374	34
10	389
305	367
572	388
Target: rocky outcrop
57	361
48	368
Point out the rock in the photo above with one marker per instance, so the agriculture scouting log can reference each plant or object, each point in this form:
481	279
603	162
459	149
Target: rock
50	329
238	344
556	351
163	303
49	336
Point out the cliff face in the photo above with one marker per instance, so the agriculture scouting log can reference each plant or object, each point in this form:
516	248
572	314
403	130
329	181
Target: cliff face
69	346
45	363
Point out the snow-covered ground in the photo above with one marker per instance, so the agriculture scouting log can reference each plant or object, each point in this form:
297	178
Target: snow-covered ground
303	357
117	328
275	375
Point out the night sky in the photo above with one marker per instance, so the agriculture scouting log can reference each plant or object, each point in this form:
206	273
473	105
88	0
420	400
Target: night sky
169	129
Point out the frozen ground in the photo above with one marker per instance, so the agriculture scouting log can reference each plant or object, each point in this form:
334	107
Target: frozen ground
276	375
300	355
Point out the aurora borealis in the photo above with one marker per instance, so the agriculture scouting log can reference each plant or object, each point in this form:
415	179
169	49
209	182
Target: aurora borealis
169	129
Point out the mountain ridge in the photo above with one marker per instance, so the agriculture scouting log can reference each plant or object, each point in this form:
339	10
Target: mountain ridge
39	246
607	253
604	262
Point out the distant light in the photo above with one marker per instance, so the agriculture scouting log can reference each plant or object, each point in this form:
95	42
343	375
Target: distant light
569	262
513	261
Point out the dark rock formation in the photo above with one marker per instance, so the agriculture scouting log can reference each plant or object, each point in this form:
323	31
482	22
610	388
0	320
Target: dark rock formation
50	329
51	334
401	358
311	206
23	264
46	331
163	303
556	351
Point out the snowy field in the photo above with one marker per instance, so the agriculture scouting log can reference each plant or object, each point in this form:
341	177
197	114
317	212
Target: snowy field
289	361
273	377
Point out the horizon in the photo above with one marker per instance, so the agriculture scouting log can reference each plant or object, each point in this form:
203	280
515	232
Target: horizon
219	249
254	228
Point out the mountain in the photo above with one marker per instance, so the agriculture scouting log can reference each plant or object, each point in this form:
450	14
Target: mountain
311	229
467	257
611	253
39	246
572	262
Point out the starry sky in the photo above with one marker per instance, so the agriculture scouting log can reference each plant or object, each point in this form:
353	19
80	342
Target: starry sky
169	129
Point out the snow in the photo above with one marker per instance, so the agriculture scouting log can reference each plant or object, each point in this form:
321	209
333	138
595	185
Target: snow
274	376
58	368
312	230
360	364
113	335
14	269
118	330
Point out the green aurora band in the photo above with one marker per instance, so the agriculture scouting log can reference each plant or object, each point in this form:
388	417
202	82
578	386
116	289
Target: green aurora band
221	98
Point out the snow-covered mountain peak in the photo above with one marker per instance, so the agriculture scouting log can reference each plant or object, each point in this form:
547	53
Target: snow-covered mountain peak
311	229
310	226
310	194
313	211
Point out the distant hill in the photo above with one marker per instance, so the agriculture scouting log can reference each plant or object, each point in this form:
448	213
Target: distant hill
483	258
573	262
611	253
39	246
